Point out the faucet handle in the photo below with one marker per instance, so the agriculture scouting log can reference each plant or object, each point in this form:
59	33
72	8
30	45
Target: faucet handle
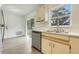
55	30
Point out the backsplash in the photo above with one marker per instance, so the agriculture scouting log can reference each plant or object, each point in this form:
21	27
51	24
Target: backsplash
43	26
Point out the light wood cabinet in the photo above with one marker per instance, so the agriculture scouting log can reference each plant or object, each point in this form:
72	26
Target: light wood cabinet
46	46
74	42
41	13
51	45
54	45
60	37
42	10
58	48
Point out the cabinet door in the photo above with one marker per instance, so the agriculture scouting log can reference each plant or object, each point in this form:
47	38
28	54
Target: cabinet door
38	14
46	46
74	41
41	13
58	48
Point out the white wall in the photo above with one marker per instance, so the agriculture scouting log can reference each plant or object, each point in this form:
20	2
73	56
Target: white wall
75	19
0	32
0	16
30	15
14	24
0	23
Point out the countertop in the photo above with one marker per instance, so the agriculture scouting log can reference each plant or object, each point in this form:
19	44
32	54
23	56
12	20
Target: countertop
66	34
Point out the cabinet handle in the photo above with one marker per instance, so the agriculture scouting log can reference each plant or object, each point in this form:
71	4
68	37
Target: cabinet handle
49	44
53	45
70	49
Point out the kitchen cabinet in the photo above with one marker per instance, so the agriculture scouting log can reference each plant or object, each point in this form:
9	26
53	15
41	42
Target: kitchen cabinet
56	36
58	48
74	42
46	46
52	5
52	45
41	13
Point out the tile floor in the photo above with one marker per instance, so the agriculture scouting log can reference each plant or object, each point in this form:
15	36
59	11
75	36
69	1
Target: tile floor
20	45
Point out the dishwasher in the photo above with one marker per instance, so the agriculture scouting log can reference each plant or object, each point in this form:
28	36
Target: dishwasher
36	40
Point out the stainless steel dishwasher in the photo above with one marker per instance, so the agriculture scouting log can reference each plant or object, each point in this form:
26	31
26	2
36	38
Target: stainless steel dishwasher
36	40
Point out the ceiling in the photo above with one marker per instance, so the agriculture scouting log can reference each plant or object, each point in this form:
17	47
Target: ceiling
22	9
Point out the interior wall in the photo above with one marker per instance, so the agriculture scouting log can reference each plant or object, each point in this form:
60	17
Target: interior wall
75	19
0	32
0	16
15	25
0	23
30	15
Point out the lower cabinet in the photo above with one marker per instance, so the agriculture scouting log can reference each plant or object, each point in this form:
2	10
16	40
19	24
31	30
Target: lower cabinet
52	47
74	41
58	48
46	46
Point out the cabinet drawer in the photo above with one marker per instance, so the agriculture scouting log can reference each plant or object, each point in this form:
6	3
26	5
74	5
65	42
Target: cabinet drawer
61	37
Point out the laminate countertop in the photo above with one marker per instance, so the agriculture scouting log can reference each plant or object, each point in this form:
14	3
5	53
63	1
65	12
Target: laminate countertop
65	34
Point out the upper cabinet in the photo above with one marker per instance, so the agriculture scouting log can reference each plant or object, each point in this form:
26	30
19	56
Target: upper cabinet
41	13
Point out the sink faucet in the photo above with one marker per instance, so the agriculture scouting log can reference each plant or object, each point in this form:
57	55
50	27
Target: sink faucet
56	30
